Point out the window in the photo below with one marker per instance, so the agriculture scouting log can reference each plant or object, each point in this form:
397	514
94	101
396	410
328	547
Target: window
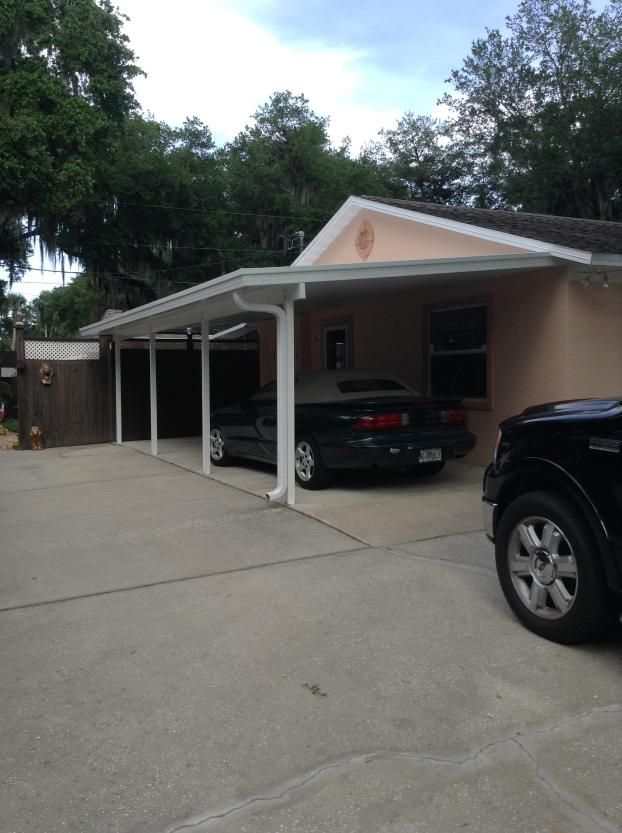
458	351
336	347
369	385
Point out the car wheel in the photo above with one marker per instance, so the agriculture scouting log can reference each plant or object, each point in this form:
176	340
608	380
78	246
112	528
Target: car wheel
549	569
427	469
218	448
311	473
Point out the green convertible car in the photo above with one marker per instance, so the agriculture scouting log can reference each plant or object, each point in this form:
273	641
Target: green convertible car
346	419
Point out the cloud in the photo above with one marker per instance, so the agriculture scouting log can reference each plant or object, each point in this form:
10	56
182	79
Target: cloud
213	62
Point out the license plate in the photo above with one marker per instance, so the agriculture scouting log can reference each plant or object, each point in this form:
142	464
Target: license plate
430	455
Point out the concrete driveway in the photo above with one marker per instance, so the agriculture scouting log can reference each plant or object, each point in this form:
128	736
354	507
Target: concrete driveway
177	655
376	507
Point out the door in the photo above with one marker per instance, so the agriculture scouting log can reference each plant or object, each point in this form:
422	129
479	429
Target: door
336	347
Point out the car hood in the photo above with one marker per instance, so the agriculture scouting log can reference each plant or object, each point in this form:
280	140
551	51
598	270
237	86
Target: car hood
571	409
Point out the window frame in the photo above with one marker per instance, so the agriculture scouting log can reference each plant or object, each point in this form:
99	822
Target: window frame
471	402
331	325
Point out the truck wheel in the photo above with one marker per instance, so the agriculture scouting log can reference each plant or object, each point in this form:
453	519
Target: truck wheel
549	569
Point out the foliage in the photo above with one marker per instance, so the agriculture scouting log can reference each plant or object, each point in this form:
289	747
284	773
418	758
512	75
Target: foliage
65	90
419	160
140	239
538	114
9	305
148	209
11	425
283	176
6	392
60	312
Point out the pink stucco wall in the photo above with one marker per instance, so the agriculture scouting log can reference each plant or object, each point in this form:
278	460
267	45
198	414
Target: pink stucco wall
594	341
400	239
548	340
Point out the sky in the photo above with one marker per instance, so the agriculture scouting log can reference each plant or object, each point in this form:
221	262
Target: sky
363	64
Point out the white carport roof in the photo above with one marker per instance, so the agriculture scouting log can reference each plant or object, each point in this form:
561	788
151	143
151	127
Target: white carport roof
322	285
250	294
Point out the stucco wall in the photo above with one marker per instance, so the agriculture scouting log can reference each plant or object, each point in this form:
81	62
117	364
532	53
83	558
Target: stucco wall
528	341
399	239
548	339
594	341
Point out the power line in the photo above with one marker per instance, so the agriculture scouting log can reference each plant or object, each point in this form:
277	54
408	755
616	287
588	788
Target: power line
183	248
218	211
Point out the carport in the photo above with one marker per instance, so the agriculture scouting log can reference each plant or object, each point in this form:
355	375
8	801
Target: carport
250	295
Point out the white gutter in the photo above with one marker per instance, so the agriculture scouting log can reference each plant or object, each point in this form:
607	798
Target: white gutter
283	446
218	290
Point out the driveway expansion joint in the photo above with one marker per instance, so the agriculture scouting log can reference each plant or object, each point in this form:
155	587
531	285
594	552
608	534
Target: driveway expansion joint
505	748
99	480
178	580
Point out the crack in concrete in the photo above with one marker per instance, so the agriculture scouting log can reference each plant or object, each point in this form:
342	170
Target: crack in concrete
95	482
576	807
178	580
171	504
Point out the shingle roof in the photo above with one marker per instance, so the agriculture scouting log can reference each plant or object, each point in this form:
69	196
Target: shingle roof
596	236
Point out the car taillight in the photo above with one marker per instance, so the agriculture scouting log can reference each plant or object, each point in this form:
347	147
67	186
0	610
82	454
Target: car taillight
379	421
454	417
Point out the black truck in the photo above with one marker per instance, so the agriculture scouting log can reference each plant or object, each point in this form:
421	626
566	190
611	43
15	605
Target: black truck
553	508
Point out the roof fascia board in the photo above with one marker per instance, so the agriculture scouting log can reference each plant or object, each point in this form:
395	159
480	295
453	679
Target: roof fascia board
355	204
614	261
176	307
329	232
438	266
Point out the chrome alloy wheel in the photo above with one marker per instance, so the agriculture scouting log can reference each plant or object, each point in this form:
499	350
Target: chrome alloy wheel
216	444
305	461
542	567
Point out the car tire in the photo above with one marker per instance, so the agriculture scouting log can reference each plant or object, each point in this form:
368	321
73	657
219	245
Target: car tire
218	453
311	473
427	469
549	569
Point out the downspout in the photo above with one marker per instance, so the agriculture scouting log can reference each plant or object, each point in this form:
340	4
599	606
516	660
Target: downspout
279	493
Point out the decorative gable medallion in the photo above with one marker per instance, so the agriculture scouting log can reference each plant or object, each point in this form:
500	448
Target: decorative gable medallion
364	241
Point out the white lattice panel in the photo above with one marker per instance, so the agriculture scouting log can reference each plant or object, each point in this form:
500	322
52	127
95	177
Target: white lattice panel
69	351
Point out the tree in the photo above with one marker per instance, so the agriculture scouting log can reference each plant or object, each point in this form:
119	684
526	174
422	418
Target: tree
60	312
9	305
156	225
284	176
65	90
420	162
538	114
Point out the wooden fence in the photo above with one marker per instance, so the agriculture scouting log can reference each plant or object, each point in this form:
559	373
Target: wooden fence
77	406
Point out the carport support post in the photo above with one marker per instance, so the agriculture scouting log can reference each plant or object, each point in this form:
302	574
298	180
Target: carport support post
153	394
205	393
290	371
117	387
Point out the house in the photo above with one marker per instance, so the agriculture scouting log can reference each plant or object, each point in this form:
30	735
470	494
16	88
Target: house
502	339
503	309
